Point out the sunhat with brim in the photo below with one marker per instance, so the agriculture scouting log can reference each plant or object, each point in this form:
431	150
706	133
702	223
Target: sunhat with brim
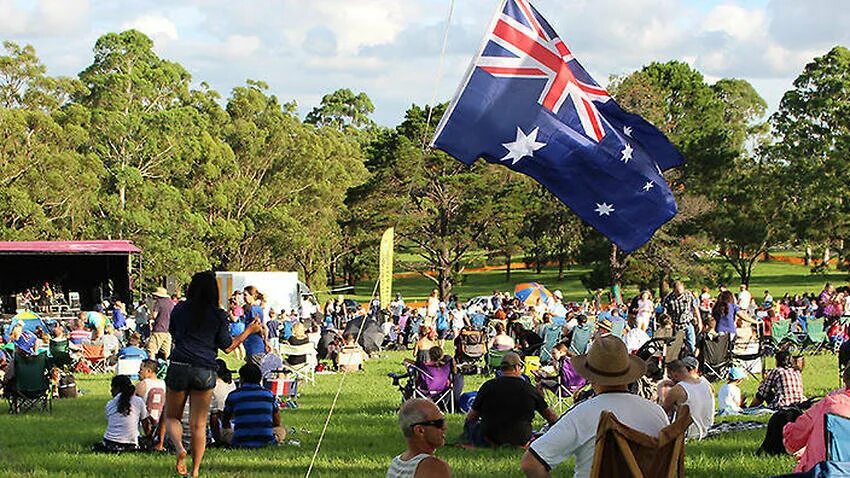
26	342
609	363
605	324
160	292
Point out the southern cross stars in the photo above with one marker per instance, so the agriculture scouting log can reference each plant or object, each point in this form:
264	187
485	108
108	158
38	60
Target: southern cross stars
649	185
627	130
604	209
627	153
524	145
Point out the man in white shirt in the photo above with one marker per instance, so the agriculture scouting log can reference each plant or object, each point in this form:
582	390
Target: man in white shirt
609	369
424	428
557	308
744	298
692	390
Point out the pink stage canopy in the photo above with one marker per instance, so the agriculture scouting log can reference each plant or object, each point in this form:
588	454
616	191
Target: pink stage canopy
68	247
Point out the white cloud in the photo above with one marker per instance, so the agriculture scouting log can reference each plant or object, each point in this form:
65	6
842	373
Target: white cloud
364	23
159	28
63	16
241	46
737	22
13	20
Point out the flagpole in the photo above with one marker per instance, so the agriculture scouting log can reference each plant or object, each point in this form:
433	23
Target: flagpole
469	70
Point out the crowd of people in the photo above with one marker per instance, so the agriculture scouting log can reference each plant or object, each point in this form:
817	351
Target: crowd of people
186	398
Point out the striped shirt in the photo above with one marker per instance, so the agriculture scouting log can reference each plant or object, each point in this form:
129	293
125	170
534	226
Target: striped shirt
79	336
405	468
251	407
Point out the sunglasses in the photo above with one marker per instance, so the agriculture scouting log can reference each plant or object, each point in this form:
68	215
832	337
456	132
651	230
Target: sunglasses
438	423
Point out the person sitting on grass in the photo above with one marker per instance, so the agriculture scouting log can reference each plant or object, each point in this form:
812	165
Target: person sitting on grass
152	391
504	408
123	414
688	388
254	411
804	438
782	386
636	336
730	401
424	428
223	386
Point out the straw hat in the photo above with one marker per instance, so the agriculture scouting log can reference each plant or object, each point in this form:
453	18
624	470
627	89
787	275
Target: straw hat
160	292
609	363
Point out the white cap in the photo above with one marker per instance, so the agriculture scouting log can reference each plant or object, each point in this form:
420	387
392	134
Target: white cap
558	294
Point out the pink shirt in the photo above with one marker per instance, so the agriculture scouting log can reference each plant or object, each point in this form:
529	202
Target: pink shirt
807	431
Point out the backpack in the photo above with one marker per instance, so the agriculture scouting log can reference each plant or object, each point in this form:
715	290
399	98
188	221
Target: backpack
772	444
67	385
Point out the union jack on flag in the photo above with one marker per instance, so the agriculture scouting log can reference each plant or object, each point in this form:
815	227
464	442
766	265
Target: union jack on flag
527	103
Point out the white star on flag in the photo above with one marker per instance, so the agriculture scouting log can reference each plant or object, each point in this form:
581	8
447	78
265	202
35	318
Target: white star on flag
627	153
627	130
649	185
524	145
604	209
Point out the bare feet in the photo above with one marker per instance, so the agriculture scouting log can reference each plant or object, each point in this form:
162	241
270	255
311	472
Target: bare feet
181	463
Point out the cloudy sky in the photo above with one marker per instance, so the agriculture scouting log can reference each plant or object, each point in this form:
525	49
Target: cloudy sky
390	48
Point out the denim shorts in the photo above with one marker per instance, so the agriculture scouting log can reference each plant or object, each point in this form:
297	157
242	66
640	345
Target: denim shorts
183	377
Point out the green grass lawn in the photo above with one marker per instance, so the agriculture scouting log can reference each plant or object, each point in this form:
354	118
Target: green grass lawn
361	439
778	277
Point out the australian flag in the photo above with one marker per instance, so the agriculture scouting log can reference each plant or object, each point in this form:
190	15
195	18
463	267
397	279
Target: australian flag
528	104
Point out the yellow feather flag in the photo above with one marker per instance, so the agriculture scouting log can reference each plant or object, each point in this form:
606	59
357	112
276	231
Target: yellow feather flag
385	268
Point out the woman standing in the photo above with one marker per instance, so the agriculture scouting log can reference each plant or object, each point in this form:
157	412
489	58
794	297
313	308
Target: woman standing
198	328
725	312
645	309
256	344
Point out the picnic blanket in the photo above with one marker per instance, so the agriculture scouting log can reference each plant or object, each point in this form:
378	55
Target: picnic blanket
733	427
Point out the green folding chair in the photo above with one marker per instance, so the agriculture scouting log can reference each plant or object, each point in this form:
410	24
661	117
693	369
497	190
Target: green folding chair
581	338
494	358
816	337
781	332
31	385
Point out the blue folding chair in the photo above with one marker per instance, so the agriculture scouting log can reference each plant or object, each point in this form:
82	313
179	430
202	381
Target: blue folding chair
581	338
837	439
551	335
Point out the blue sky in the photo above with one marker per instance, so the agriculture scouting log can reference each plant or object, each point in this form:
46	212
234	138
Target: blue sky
390	48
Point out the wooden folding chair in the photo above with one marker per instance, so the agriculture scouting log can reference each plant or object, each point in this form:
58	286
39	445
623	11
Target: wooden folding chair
623	452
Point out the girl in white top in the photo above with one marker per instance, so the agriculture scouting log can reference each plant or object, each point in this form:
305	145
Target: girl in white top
729	398
123	413
645	309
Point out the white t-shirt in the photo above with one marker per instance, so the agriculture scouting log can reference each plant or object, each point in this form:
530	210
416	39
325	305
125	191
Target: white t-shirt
219	395
150	384
111	345
575	432
635	339
744	299
701	402
458	318
386	328
729	398
558	309
124	428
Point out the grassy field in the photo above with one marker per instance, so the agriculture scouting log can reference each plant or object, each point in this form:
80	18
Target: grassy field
361	439
778	277
363	436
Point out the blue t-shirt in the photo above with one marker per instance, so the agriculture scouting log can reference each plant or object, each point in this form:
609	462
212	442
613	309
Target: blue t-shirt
253	343
252	408
727	323
273	325
442	322
119	320
198	346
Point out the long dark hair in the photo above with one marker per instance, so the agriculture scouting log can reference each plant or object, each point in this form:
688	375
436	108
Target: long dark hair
721	307
201	296
126	390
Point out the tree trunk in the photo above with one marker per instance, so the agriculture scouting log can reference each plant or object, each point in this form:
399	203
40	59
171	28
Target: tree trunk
807	260
826	254
507	266
560	268
617	266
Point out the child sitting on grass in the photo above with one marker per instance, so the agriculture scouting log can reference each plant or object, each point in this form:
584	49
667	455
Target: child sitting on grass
123	414
729	397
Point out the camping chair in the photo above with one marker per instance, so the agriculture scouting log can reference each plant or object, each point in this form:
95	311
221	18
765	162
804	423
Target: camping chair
749	355
93	357
715	357
581	339
674	349
551	335
60	353
434	382
816	337
837	437
283	387
624	452
31	388
568	381
350	358
781	333
617	328
494	358
305	371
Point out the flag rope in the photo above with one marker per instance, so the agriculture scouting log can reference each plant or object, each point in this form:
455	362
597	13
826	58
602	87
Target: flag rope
374	290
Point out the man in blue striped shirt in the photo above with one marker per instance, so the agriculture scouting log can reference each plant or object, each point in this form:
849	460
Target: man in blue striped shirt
254	412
